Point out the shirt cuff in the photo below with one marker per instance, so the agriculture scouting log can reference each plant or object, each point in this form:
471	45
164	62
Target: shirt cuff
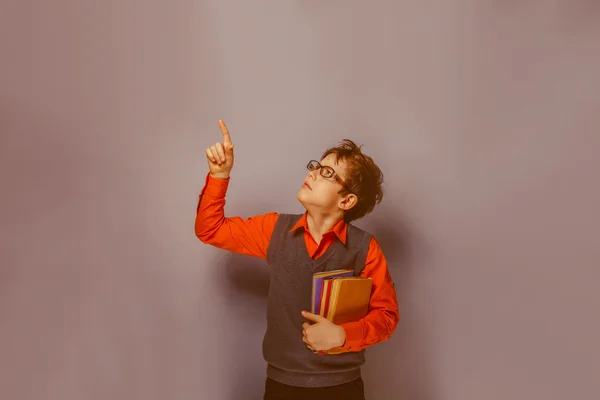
215	187
354	335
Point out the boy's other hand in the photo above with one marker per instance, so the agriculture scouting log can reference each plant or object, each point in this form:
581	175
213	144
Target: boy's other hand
322	334
220	156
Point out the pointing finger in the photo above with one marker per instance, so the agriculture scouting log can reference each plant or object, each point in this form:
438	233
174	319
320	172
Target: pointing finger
225	132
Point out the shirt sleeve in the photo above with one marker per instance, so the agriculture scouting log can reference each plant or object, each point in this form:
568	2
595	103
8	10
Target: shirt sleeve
382	319
249	236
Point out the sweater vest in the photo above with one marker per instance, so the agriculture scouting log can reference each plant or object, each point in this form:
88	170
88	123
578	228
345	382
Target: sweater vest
288	359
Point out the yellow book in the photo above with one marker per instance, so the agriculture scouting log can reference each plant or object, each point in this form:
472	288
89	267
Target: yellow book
348	302
349	299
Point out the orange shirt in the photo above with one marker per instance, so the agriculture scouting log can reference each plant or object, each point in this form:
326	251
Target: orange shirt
251	237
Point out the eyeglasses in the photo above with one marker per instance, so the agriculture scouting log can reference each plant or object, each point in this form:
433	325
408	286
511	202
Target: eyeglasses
325	171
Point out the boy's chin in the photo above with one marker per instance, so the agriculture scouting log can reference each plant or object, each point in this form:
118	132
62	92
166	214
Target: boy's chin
301	199
304	201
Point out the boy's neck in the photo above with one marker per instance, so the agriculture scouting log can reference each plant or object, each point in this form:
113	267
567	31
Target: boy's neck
318	225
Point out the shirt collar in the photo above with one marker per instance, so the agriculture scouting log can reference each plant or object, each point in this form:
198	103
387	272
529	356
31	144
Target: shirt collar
339	229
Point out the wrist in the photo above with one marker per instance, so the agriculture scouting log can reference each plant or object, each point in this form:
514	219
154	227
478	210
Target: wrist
220	176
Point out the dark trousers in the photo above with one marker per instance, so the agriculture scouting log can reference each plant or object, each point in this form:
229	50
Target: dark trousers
348	391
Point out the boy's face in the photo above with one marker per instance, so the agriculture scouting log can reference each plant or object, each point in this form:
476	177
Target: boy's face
320	194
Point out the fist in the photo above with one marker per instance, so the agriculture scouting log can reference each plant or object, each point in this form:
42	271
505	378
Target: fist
220	156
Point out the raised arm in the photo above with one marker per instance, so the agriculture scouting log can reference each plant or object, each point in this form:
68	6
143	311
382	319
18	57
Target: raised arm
245	236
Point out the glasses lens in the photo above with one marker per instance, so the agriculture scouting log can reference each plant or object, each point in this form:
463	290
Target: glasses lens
327	172
312	165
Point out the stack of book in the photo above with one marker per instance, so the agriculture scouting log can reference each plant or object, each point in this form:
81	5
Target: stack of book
339	296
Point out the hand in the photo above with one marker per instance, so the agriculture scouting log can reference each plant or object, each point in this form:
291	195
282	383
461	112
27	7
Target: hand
220	156
323	334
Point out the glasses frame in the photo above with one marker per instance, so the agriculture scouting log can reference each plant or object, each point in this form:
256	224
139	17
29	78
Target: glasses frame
322	170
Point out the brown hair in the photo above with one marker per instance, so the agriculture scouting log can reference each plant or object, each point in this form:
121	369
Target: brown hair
364	178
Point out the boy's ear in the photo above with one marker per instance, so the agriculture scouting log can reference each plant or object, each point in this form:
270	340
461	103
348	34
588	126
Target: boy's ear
348	202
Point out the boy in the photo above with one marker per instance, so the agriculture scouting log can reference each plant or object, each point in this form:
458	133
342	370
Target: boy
343	186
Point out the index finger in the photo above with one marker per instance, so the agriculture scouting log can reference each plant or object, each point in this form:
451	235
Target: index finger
225	132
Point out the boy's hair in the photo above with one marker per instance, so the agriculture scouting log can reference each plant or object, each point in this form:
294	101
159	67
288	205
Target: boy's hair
364	178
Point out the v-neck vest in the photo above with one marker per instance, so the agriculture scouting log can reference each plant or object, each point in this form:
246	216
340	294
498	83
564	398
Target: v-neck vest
289	360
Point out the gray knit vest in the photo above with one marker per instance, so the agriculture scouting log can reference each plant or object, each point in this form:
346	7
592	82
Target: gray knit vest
288	359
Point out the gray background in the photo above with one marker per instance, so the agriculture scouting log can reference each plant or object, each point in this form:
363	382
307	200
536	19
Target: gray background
482	115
